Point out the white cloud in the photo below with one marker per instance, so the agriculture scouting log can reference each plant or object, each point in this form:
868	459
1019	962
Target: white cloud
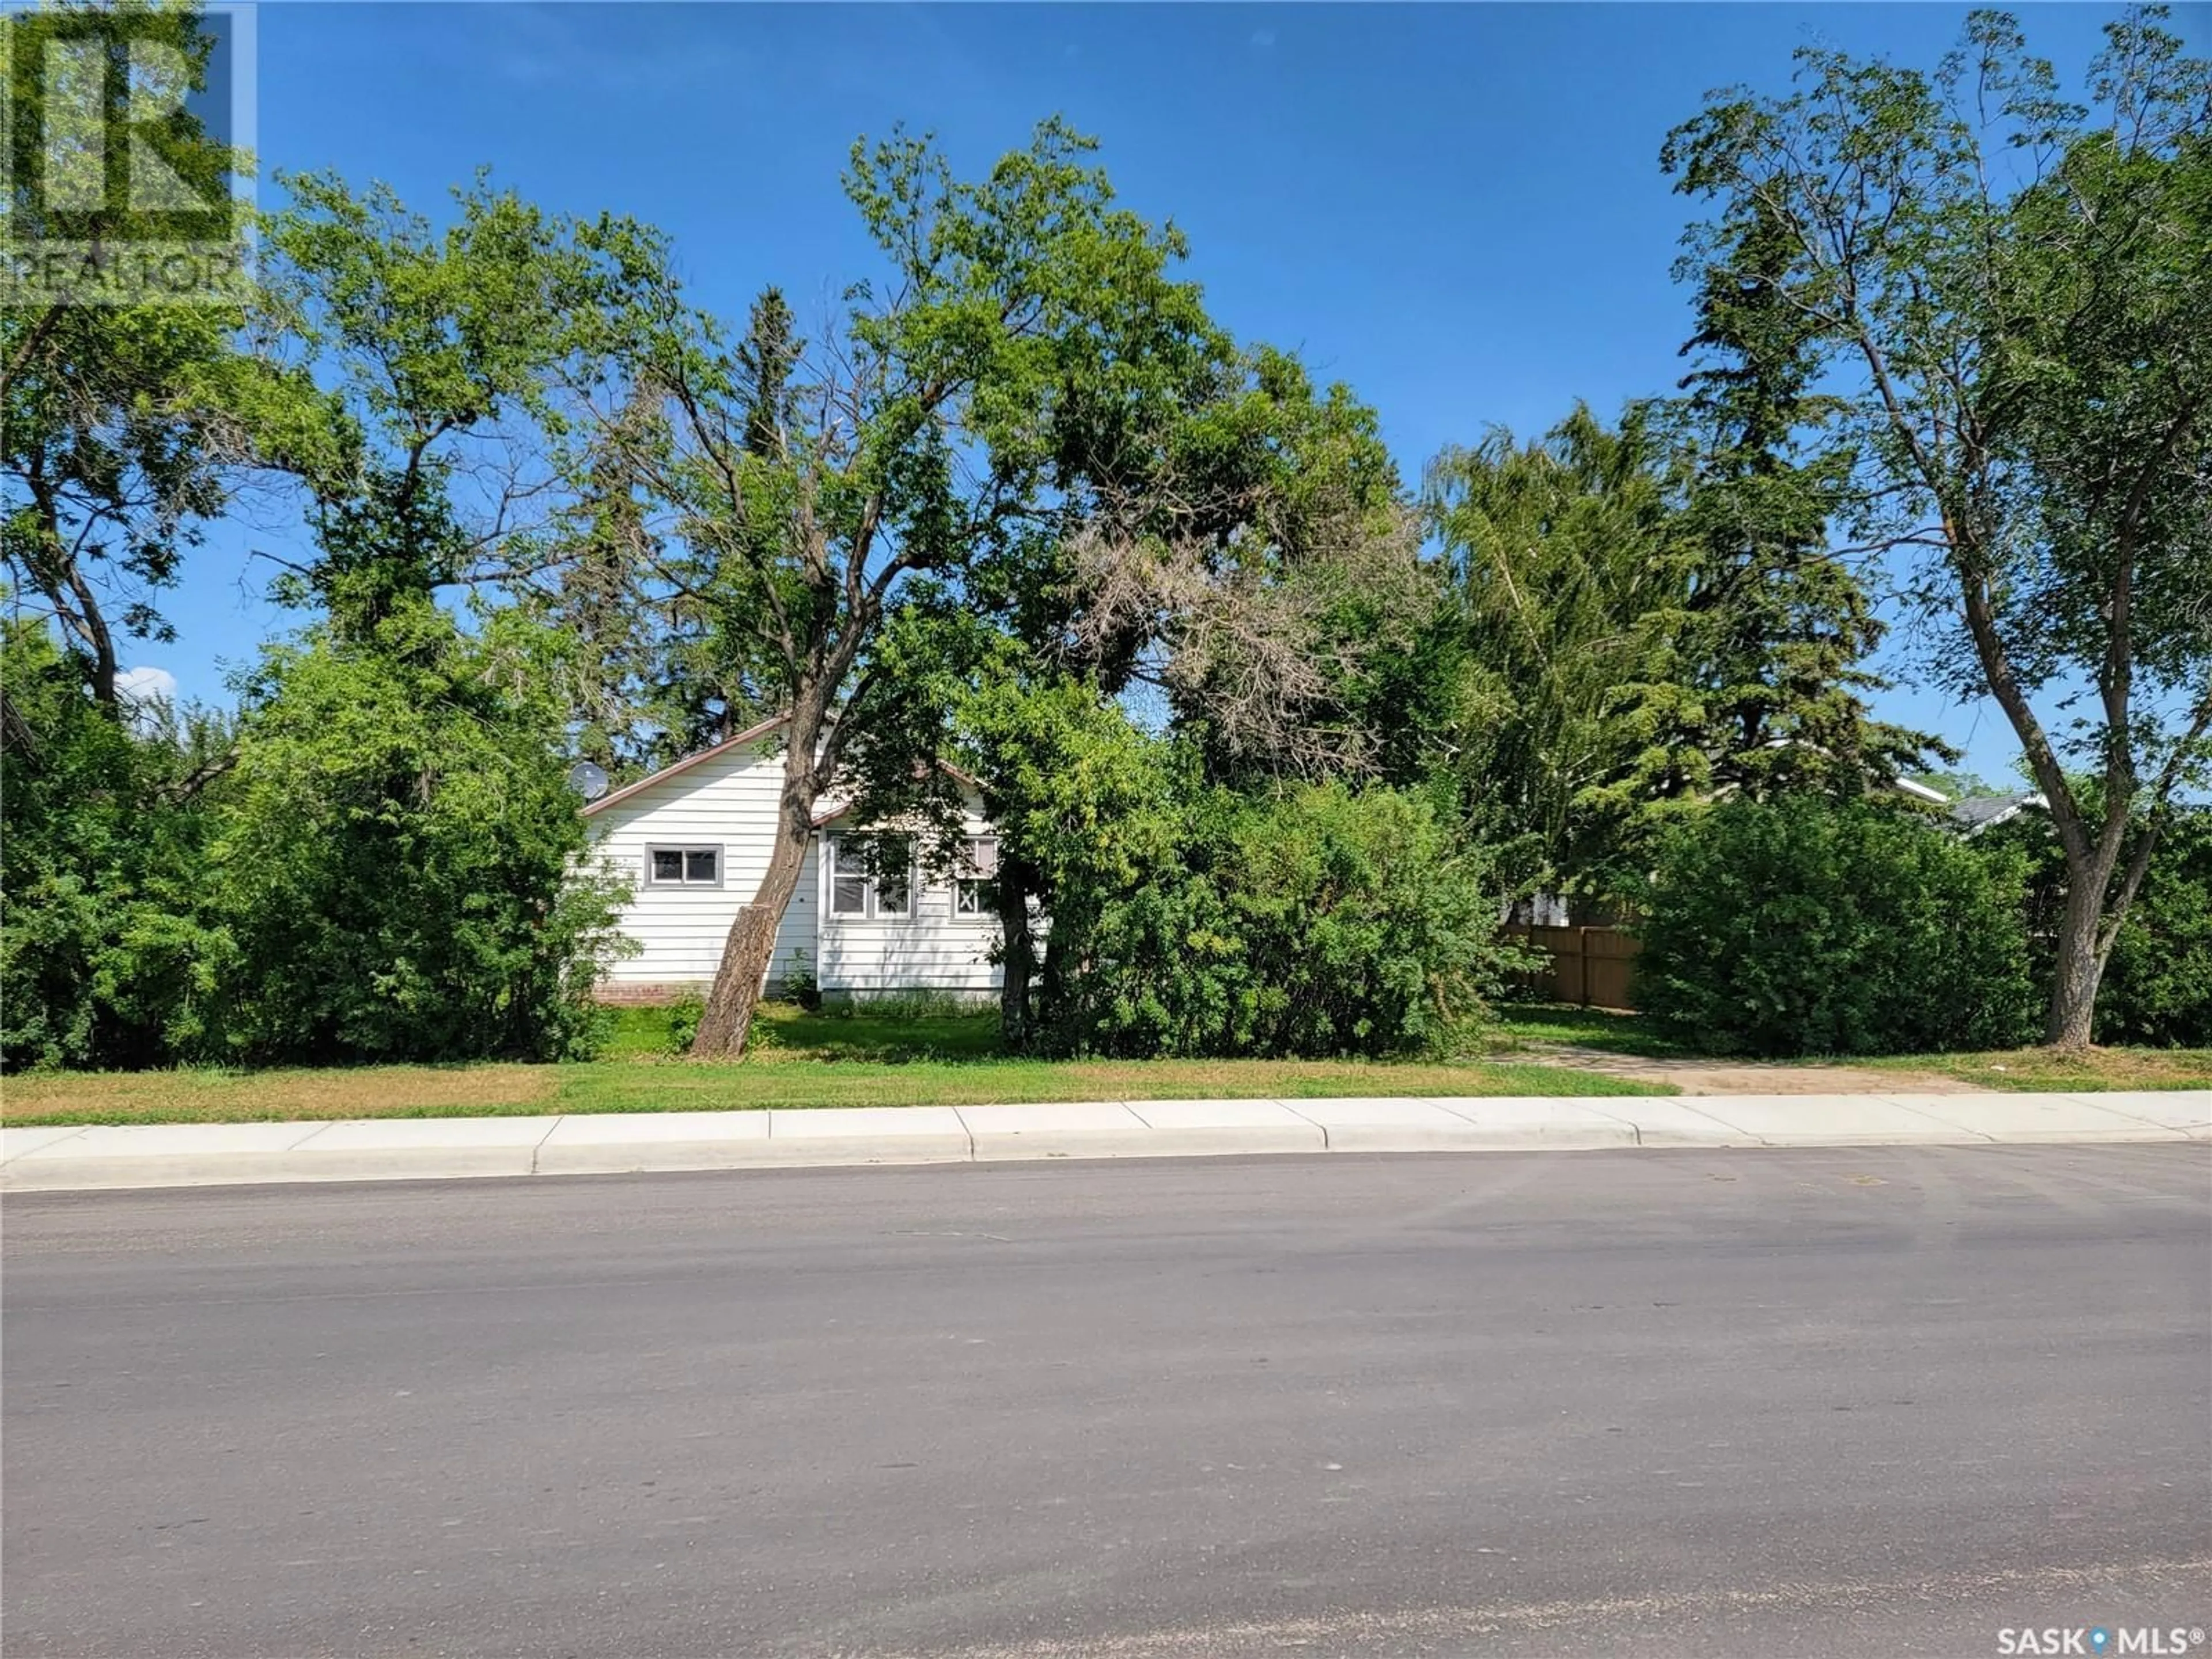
146	685
1263	38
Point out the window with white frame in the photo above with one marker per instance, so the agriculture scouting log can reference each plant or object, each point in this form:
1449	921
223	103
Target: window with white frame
683	867
975	885
856	894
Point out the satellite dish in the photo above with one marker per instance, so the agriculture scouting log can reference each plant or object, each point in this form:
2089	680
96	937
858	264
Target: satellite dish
588	779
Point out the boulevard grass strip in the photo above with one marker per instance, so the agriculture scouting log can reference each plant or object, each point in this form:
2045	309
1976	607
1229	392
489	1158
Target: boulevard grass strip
801	1061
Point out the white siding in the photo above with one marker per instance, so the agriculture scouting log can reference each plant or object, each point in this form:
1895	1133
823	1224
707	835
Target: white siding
728	801
795	944
933	949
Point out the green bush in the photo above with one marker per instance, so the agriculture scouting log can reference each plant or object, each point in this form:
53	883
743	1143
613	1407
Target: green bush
683	1015
1805	926
382	862
801	985
2158	984
1325	922
108	958
399	859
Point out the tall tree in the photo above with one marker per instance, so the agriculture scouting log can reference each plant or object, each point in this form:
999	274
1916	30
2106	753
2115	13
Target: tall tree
1262	572
440	459
1229	550
124	429
1764	685
1567	575
2006	289
918	433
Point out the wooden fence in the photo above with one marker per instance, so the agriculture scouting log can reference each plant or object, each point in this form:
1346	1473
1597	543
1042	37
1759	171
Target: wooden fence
1593	966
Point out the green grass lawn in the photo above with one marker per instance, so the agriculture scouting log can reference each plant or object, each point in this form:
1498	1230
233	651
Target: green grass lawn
798	1059
1541	1022
2040	1070
1538	1026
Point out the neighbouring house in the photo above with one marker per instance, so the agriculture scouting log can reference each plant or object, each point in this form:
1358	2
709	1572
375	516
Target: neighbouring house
693	839
1971	814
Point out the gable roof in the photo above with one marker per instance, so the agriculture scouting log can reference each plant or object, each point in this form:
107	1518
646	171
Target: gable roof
830	814
751	734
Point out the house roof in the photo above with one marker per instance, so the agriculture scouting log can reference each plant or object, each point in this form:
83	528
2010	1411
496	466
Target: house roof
830	814
1978	812
751	734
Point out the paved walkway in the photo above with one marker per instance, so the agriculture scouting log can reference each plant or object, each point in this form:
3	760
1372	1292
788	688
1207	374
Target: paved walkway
1707	1076
403	1148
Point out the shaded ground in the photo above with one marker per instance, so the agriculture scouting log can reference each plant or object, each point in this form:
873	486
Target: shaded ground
1796	1404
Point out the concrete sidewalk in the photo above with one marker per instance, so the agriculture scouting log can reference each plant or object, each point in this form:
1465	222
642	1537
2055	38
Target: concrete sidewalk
413	1149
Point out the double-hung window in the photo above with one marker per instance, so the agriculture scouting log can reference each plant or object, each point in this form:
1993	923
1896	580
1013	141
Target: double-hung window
683	867
855	894
975	885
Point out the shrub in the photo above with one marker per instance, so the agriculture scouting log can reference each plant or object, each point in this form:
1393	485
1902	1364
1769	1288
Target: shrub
106	957
800	985
2158	985
400	861
1325	922
1805	926
683	1015
387	865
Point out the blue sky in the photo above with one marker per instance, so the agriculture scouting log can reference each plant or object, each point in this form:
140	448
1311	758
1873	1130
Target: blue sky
1457	209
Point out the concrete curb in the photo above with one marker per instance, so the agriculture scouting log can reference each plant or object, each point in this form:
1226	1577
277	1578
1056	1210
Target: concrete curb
417	1149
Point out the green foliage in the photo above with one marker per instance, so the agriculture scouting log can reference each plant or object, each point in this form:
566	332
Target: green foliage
441	349
376	866
395	856
2157	985
1564	565
1320	922
1644	618
1805	926
683	1016
801	494
1762	689
2001	291
801	985
107	955
124	429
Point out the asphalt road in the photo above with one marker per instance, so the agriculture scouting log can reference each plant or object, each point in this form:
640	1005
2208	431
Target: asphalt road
1699	1403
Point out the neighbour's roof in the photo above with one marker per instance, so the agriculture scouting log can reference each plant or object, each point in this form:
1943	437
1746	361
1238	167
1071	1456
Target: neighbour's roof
1980	813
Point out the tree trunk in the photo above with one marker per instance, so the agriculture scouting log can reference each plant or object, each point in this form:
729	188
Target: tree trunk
746	952
2079	965
1018	957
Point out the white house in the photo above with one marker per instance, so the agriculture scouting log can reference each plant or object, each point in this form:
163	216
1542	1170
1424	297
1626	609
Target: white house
693	839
